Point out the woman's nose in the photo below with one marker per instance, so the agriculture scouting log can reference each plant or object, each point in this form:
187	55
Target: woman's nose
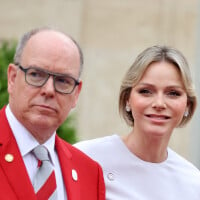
159	102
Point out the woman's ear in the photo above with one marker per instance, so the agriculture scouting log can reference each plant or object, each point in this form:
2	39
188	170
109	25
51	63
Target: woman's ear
128	108
186	113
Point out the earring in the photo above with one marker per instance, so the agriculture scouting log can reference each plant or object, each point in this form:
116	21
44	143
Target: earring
128	109
186	113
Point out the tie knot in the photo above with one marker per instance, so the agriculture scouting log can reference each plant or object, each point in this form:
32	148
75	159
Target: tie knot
41	153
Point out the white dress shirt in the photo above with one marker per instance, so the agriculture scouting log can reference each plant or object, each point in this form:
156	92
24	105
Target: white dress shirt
26	143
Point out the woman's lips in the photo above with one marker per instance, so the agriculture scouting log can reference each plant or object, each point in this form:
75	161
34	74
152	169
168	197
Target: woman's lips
158	117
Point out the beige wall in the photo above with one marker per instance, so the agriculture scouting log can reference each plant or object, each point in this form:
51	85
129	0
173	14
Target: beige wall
16	17
111	34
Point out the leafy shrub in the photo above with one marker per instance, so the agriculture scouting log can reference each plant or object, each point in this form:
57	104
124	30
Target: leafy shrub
7	50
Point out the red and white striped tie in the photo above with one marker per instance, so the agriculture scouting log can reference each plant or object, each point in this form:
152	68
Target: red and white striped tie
44	182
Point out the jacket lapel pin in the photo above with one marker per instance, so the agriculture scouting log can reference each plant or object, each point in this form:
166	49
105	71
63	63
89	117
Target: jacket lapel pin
9	157
74	175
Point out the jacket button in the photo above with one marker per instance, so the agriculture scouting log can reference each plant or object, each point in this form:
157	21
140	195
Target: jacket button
111	176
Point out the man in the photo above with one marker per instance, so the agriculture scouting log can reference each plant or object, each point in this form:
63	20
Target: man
43	86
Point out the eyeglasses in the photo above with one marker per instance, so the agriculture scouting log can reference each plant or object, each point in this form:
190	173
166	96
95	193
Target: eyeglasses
38	77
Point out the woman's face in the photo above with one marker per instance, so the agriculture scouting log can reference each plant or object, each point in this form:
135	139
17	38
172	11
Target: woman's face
159	100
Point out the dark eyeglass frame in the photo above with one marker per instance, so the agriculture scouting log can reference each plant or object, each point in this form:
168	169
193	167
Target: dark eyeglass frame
55	75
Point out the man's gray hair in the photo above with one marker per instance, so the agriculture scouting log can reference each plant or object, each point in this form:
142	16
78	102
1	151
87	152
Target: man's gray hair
25	38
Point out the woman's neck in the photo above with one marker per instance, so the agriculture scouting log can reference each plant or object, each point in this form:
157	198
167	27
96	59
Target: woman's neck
149	149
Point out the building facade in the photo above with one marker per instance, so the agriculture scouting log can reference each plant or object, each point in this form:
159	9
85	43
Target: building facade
111	34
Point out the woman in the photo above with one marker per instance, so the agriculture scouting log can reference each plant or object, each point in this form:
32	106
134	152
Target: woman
156	96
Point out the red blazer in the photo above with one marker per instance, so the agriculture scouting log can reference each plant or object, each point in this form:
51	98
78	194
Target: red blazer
15	182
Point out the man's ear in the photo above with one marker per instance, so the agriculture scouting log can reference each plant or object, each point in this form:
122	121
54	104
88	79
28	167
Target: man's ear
11	76
76	94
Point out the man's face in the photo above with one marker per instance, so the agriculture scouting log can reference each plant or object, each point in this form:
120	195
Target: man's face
41	109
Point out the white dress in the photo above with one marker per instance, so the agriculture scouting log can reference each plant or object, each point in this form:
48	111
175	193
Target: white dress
129	178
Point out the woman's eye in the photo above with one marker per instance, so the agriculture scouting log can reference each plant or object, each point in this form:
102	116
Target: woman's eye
145	91
174	93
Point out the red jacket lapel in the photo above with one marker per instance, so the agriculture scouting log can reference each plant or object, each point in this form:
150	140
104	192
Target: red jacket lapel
67	166
14	169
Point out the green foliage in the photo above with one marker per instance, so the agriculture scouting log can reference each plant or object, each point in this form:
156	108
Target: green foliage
7	50
67	130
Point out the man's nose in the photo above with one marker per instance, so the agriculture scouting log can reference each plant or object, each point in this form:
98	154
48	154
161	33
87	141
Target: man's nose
48	87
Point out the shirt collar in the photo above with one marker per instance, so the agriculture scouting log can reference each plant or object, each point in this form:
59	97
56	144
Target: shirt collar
26	142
